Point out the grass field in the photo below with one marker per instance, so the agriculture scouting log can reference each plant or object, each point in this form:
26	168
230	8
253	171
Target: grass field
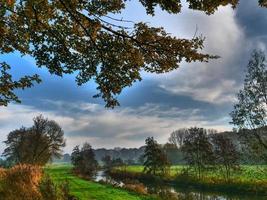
86	190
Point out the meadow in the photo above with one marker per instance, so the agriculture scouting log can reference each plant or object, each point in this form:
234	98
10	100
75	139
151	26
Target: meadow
86	190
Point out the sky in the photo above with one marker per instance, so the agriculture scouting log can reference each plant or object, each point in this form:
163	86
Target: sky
196	94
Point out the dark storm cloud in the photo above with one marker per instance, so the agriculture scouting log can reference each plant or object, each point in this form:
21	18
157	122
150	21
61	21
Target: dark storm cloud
252	18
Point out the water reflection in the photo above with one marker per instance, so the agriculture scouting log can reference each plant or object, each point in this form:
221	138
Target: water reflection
168	192
102	176
176	193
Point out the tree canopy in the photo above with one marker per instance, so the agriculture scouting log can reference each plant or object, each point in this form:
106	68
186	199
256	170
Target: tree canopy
83	160
225	153
82	37
197	149
155	159
250	111
35	145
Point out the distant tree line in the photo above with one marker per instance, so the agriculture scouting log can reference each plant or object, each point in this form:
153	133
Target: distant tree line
109	162
201	151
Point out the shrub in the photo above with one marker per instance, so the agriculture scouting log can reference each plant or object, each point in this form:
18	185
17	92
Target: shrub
136	187
25	182
51	191
20	182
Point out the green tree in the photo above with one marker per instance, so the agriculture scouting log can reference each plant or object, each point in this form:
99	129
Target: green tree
107	161
197	150
173	153
84	161
35	145
226	154
75	155
8	85
155	160
117	162
250	113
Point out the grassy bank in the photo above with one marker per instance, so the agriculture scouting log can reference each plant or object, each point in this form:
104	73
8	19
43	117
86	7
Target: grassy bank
246	172
249	179
86	190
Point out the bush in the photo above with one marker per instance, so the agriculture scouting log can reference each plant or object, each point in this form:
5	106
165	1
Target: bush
20	182
25	182
136	187
51	191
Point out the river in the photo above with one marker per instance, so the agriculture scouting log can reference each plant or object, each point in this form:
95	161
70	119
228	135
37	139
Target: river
170	192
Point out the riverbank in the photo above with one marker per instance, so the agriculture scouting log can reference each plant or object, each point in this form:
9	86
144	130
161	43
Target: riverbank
250	180
86	190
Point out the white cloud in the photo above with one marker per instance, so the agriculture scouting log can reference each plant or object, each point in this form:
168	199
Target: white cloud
125	127
217	81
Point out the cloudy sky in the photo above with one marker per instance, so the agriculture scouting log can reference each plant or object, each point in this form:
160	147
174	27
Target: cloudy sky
197	94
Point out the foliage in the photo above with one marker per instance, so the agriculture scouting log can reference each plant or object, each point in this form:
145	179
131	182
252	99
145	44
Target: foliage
35	145
80	37
197	150
8	85
246	173
130	162
84	161
210	6
155	160
250	110
226	154
20	182
173	154
141	159
5	163
250	179
52	191
27	182
117	162
123	153
252	151
109	162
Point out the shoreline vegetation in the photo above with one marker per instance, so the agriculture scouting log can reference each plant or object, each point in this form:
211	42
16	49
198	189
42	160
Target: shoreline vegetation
248	180
84	189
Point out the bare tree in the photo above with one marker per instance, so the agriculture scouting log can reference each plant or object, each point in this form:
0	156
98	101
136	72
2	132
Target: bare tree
177	137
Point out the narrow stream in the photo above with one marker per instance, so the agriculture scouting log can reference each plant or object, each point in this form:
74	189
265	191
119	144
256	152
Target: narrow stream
169	192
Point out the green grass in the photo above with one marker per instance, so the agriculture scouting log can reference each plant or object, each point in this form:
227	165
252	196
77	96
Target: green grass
86	190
